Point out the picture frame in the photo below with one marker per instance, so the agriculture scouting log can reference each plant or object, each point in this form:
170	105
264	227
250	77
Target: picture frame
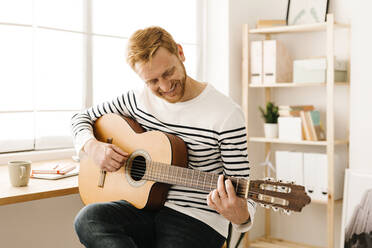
356	223
306	11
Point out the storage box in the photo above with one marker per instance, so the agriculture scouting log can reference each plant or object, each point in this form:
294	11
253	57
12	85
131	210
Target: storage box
315	71
290	128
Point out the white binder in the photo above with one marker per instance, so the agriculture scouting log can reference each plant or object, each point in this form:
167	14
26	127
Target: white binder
277	63
316	175
256	62
289	166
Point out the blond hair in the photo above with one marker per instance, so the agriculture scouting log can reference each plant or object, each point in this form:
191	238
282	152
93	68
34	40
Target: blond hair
143	44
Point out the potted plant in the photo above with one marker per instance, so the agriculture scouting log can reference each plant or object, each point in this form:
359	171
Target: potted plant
270	116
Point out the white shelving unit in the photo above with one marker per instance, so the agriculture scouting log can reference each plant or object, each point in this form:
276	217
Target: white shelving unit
329	26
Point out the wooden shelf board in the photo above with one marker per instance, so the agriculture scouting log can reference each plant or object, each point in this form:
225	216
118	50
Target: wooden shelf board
326	202
301	142
290	84
319	202
317	27
277	243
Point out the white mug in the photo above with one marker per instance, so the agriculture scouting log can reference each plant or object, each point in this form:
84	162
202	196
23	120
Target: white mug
19	172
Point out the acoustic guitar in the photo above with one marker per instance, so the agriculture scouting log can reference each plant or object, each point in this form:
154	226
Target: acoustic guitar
158	160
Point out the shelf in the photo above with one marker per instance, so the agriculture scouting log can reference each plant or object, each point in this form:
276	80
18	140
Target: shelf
301	142
289	85
319	202
277	243
317	27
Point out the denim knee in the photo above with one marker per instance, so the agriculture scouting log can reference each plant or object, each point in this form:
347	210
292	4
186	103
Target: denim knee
82	222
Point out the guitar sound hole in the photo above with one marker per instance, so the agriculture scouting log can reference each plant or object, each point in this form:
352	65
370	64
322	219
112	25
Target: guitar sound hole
138	168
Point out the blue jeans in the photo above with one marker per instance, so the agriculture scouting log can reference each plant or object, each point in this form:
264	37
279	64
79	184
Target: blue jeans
119	224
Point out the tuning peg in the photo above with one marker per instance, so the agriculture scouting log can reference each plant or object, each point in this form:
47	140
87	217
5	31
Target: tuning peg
275	209
267	206
269	179
286	211
262	205
291	182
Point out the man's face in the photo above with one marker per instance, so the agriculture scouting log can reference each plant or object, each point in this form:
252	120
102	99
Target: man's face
165	75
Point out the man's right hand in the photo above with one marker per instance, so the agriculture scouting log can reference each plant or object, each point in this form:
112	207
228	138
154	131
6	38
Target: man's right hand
108	157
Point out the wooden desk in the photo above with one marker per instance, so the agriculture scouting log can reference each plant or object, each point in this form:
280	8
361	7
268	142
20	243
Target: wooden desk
36	188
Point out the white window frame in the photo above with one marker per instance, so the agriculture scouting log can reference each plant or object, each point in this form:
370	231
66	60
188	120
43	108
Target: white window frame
87	96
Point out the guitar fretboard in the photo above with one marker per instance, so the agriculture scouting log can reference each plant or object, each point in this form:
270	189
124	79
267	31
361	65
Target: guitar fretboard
190	178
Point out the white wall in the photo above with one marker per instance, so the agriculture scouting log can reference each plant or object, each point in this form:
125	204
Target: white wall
361	88
217	39
310	225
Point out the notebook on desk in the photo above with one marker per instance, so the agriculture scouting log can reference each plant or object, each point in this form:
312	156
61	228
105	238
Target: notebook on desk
74	172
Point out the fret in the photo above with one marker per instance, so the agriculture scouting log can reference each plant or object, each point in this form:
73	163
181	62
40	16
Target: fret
174	173
211	183
205	178
165	173
153	170
192	178
149	170
158	174
189	178
183	181
162	173
185	177
168	174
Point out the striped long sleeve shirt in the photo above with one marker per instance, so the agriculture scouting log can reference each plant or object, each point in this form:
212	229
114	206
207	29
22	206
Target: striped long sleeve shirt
211	125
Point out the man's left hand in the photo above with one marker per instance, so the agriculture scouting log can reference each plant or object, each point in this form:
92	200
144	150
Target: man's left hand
225	201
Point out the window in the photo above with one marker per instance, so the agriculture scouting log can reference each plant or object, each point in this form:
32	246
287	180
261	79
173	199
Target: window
59	57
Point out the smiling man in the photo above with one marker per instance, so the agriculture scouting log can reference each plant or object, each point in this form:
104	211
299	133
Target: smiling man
211	125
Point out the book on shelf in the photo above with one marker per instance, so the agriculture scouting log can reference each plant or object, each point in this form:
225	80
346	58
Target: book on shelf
311	125
305	126
54	168
317	125
294	110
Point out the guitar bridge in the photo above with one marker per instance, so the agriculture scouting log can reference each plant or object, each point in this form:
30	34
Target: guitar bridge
102	175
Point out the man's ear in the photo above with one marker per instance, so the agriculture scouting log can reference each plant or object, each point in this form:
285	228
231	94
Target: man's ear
181	55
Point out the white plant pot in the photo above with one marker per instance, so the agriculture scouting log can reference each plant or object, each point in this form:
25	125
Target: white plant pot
271	130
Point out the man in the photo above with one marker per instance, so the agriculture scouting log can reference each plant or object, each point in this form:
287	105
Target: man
211	125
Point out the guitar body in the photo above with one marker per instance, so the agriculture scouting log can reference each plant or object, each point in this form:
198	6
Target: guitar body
126	183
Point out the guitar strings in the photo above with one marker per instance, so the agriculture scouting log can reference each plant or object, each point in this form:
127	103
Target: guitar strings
142	172
242	189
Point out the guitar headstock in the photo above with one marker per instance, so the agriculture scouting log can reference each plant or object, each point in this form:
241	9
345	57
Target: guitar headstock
278	195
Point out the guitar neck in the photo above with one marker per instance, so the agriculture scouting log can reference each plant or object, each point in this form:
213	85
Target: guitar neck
190	178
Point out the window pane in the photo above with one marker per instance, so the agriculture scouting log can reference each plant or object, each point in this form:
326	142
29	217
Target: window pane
112	75
53	130
66	14
16	11
60	70
15	68
123	17
16	132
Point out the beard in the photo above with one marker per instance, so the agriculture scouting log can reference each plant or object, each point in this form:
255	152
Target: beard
178	85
